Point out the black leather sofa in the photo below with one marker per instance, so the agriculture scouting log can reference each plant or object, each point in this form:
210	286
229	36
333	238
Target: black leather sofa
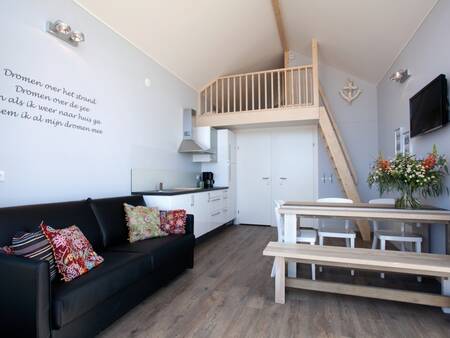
32	306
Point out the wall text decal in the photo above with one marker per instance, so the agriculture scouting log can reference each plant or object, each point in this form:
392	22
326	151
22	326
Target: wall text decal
42	102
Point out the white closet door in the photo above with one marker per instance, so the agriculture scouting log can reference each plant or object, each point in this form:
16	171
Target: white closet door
253	178
293	164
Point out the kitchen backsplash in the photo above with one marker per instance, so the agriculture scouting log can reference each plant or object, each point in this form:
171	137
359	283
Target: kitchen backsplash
148	179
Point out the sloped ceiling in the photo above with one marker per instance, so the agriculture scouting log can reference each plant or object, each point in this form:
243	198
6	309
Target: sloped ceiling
198	40
362	37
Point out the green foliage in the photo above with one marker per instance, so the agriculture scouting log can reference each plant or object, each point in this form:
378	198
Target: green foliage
408	175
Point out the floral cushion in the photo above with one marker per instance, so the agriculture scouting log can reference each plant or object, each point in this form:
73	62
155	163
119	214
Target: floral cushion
142	222
173	221
73	253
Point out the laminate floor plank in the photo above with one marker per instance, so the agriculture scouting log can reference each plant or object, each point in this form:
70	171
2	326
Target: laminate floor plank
229	293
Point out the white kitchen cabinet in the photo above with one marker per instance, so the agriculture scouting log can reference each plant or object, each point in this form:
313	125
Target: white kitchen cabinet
207	207
202	222
225	171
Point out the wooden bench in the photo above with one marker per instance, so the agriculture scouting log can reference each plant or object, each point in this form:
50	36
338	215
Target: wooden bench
421	264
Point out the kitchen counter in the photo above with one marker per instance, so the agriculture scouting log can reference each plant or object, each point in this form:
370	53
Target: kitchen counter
176	191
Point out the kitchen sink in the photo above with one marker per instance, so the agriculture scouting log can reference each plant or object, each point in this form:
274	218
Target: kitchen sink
185	189
176	190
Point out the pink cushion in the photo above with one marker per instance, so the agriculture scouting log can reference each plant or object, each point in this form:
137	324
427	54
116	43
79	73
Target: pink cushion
173	221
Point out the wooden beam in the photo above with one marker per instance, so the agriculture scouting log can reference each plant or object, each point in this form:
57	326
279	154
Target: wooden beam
315	72
280	278
280	24
260	117
369	292
365	259
286	58
341	165
338	134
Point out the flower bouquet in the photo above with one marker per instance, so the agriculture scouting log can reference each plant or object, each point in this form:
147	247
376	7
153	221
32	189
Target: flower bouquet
409	175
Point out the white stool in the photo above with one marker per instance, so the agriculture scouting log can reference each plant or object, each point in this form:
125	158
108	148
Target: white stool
303	236
402	237
337	232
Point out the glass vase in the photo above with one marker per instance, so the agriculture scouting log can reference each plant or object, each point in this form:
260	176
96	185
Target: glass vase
407	200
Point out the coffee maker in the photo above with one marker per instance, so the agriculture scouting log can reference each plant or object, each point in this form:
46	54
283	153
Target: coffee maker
208	179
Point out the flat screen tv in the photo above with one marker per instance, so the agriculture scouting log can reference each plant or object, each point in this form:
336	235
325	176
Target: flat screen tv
428	109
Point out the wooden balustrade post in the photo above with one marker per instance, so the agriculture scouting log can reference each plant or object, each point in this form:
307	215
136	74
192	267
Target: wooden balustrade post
228	95
271	88
279	88
315	70
246	92
265	90
253	91
234	94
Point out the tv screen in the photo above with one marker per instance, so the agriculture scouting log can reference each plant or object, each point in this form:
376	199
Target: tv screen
428	109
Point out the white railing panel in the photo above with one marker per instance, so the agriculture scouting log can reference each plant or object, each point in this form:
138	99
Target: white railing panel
270	89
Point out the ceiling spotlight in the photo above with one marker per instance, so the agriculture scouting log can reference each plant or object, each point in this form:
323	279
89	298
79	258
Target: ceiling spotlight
63	31
400	76
61	27
77	37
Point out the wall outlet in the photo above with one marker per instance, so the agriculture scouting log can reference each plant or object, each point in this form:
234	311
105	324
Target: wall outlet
2	176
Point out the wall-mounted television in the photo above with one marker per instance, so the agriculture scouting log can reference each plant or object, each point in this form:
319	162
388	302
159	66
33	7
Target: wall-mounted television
428	109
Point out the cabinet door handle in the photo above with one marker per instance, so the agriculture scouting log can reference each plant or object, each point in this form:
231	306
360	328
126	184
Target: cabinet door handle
215	214
283	178
215	199
266	178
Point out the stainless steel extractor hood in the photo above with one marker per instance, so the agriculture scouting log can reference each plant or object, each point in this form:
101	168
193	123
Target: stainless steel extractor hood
189	145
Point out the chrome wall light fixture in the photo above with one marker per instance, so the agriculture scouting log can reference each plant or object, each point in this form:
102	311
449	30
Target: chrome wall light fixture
400	76
63	31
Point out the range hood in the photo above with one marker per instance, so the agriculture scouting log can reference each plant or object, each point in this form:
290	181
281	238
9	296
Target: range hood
189	144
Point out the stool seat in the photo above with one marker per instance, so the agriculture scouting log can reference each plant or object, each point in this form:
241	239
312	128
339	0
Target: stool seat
307	235
398	237
337	232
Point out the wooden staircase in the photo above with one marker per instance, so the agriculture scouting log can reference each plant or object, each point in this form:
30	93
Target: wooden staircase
340	158
283	95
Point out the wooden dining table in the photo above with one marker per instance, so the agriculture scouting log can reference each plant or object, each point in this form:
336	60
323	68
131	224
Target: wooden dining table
293	210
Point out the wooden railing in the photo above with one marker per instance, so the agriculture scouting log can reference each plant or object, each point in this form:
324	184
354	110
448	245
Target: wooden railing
269	89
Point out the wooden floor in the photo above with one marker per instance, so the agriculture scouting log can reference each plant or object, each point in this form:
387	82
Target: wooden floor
229	293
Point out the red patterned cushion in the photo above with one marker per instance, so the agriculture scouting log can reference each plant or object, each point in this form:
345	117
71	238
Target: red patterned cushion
173	221
73	253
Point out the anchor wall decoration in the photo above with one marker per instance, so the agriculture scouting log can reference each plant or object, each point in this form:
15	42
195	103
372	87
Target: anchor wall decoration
350	92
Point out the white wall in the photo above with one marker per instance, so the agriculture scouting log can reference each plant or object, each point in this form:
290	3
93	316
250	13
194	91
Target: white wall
357	123
426	56
142	126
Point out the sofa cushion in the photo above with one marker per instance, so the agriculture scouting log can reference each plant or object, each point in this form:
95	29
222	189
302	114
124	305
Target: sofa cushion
162	250
143	223
111	217
73	253
119	270
58	215
173	221
34	245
